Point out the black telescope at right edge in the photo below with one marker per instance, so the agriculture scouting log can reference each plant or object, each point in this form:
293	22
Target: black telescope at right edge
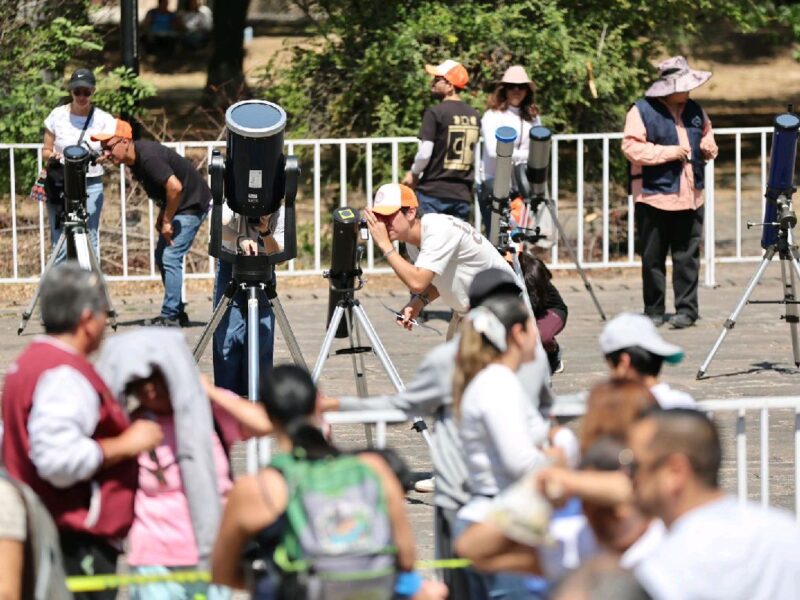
780	185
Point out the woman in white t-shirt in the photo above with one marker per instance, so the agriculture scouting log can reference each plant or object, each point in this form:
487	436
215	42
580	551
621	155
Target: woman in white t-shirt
64	127
495	418
512	104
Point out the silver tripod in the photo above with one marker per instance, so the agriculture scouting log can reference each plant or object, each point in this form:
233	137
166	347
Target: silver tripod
75	234
346	308
790	268
257	450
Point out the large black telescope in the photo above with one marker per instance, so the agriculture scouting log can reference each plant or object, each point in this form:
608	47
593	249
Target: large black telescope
345	259
76	163
780	185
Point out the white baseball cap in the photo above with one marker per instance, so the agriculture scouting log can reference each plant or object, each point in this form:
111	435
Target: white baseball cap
627	330
391	197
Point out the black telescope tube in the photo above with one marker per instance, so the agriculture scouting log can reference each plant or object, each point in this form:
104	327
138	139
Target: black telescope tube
538	159
76	161
781	172
344	254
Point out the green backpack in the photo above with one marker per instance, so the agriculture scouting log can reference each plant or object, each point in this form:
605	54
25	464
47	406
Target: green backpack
338	541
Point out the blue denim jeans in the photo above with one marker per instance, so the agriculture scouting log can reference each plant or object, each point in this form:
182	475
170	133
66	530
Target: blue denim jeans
230	337
94	204
170	261
444	206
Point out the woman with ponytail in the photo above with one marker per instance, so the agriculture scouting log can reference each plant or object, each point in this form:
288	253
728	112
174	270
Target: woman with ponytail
257	519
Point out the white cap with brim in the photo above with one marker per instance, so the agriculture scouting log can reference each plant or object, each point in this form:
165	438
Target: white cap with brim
628	330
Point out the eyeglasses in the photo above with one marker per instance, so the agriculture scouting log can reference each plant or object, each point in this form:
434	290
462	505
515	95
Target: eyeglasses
516	86
109	148
438	79
631	466
82	92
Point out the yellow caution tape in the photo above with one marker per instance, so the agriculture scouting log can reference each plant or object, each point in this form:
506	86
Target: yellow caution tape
98	583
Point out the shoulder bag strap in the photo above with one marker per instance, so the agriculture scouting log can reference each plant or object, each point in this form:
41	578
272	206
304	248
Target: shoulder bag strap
86	125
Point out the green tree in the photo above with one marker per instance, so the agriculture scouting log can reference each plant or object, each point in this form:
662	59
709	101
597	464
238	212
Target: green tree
362	74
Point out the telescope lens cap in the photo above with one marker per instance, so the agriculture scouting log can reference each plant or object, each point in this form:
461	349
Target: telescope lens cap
255	118
540	133
787	122
75	153
505	134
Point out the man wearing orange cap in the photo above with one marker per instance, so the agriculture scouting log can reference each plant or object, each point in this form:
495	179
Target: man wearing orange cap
450	252
443	172
173	183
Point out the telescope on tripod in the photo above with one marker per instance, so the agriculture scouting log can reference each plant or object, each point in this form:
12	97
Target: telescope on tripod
530	183
75	230
777	236
254	178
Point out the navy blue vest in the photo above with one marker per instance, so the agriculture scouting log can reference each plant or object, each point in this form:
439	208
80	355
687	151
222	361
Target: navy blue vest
661	129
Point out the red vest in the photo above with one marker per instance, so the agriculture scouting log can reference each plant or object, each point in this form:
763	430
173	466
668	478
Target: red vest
110	493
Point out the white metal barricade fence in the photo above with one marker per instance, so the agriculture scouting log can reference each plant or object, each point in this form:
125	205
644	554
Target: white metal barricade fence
592	201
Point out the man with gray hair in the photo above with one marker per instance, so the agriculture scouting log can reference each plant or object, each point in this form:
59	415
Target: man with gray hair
65	435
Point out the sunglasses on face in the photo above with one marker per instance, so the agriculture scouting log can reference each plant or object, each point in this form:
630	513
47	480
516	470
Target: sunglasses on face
109	148
516	86
438	79
82	92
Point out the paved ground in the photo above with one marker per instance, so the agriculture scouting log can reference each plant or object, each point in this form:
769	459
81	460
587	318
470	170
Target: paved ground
755	360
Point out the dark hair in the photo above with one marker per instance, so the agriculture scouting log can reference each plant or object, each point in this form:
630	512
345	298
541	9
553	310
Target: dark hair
602	455
290	397
643	361
693	434
537	276
498	100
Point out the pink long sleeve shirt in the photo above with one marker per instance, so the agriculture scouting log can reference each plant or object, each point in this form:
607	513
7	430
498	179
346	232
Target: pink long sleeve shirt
641	153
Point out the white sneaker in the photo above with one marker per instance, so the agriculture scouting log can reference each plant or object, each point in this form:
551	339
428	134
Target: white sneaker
559	368
425	486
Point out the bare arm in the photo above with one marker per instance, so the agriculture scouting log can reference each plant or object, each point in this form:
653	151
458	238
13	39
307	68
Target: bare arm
607	488
12	555
141	436
173	188
48	145
491	551
251	416
402	535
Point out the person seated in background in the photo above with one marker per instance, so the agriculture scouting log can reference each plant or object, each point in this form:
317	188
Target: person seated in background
548	307
30	559
160	29
196	23
634	350
268	513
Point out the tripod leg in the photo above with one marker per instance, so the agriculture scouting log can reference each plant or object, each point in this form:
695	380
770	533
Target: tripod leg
80	239
26	314
288	334
256	448
377	347
95	265
731	320
325	350
219	311
790	297
359	371
574	258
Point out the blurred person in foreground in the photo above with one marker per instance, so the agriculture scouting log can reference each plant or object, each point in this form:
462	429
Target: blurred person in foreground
182	196
30	558
717	546
443	172
430	394
447	255
668	139
65	434
266	513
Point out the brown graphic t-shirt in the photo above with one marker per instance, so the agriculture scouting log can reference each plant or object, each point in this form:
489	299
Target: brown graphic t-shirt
453	126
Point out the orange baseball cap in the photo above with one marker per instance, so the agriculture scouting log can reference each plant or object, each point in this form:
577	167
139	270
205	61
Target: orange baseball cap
391	197
452	71
123	130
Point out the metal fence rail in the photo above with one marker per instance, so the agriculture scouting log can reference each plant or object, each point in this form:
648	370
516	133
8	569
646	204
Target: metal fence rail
592	200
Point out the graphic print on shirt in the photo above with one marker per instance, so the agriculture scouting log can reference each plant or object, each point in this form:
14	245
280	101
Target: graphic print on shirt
462	135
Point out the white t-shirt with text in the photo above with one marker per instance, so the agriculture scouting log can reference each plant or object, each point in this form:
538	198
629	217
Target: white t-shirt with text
455	252
67	127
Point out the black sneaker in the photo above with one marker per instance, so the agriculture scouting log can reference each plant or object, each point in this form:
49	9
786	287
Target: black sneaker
162	321
183	319
681	321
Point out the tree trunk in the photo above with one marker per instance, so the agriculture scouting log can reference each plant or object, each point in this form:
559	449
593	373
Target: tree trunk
226	82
